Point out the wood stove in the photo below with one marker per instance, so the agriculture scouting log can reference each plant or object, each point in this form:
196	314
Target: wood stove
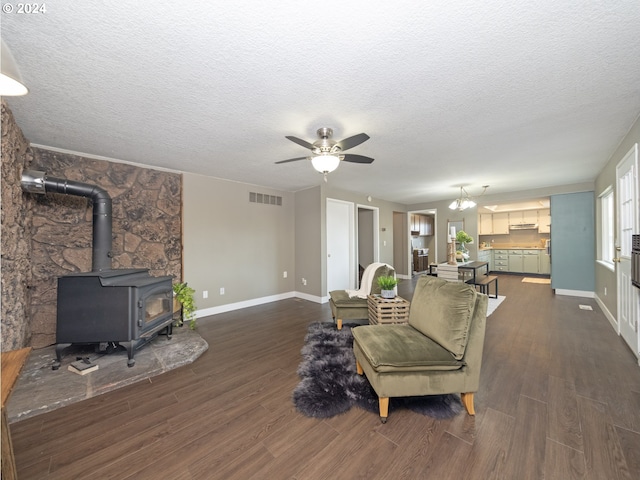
126	307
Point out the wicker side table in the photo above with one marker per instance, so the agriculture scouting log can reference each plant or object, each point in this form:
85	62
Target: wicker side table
387	310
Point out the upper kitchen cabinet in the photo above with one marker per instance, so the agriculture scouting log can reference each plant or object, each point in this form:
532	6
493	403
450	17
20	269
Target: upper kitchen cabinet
493	223
544	221
523	217
501	223
486	224
426	225
421	224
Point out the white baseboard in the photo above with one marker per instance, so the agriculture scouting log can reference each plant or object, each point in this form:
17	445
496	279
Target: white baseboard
311	298
229	307
607	313
575	293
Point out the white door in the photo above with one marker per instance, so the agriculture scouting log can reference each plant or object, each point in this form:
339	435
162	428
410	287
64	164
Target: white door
627	206
340	245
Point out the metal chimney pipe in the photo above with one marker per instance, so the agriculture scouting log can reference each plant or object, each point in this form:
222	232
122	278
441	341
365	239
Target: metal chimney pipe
34	181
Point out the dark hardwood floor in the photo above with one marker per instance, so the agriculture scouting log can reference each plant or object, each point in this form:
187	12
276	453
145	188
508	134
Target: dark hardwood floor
559	399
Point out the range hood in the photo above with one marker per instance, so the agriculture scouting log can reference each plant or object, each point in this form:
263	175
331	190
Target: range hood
524	226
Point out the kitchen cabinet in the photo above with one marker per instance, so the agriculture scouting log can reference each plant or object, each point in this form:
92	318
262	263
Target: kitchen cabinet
515	263
426	225
422	224
486	224
500	223
420	261
523	261
515	218
414	221
544	221
524	216
545	263
500	260
531	261
485	256
516	260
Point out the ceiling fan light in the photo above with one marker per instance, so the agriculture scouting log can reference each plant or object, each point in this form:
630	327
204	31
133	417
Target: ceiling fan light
325	163
11	84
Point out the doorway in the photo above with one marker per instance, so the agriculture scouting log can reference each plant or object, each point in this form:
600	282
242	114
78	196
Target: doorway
627	208
340	245
422	237
368	251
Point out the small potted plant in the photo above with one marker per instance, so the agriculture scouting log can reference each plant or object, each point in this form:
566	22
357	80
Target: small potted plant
184	294
387	284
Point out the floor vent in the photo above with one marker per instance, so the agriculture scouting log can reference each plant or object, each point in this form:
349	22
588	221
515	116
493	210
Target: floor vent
586	307
265	199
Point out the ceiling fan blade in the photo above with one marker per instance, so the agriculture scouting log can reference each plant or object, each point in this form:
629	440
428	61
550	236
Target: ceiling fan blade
299	141
292	160
351	142
351	157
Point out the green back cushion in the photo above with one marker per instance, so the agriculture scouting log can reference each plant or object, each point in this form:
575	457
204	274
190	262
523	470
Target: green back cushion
442	311
380	271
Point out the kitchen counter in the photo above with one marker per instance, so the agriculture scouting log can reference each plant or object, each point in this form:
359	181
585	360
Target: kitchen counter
512	247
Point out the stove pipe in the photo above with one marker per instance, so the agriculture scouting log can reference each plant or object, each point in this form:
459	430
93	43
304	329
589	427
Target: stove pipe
34	181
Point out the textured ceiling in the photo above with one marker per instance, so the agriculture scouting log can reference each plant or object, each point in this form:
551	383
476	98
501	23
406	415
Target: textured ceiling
517	95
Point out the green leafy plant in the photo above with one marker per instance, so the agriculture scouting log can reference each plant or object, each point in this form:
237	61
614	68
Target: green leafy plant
185	295
387	282
463	237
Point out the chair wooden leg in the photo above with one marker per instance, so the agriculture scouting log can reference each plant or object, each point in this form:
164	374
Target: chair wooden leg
339	323
384	408
467	401
359	370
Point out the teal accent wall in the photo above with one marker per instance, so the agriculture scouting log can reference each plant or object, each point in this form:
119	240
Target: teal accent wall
573	254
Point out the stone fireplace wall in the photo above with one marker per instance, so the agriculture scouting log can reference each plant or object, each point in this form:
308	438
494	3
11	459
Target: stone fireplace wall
16	237
147	231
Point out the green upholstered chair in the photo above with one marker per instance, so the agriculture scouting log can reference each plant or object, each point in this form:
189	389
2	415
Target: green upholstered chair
344	307
438	352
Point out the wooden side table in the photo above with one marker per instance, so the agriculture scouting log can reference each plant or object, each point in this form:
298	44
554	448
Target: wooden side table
387	310
12	363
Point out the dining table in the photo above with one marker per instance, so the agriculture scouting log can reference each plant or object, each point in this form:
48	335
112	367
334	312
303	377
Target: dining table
474	266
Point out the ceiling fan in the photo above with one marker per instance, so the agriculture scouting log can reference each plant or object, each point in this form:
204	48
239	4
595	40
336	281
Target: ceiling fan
327	153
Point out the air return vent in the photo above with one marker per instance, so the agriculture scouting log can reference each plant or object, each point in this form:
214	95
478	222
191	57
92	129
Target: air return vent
264	198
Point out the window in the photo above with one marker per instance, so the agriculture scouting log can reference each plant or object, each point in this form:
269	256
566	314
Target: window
607	226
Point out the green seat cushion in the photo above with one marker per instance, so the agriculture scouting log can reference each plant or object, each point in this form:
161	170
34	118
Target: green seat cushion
398	348
343	300
442	311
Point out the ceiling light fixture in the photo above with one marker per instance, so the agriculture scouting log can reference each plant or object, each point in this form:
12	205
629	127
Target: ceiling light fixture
465	201
11	84
325	163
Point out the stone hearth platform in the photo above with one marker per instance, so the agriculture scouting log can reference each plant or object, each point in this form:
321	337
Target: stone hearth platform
40	389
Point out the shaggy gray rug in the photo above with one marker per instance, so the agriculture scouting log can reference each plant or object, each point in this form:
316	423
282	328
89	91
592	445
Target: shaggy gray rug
330	385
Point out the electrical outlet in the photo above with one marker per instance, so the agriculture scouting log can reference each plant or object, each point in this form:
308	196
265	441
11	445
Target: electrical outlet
284	274
304	281
205	294
605	291
221	290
